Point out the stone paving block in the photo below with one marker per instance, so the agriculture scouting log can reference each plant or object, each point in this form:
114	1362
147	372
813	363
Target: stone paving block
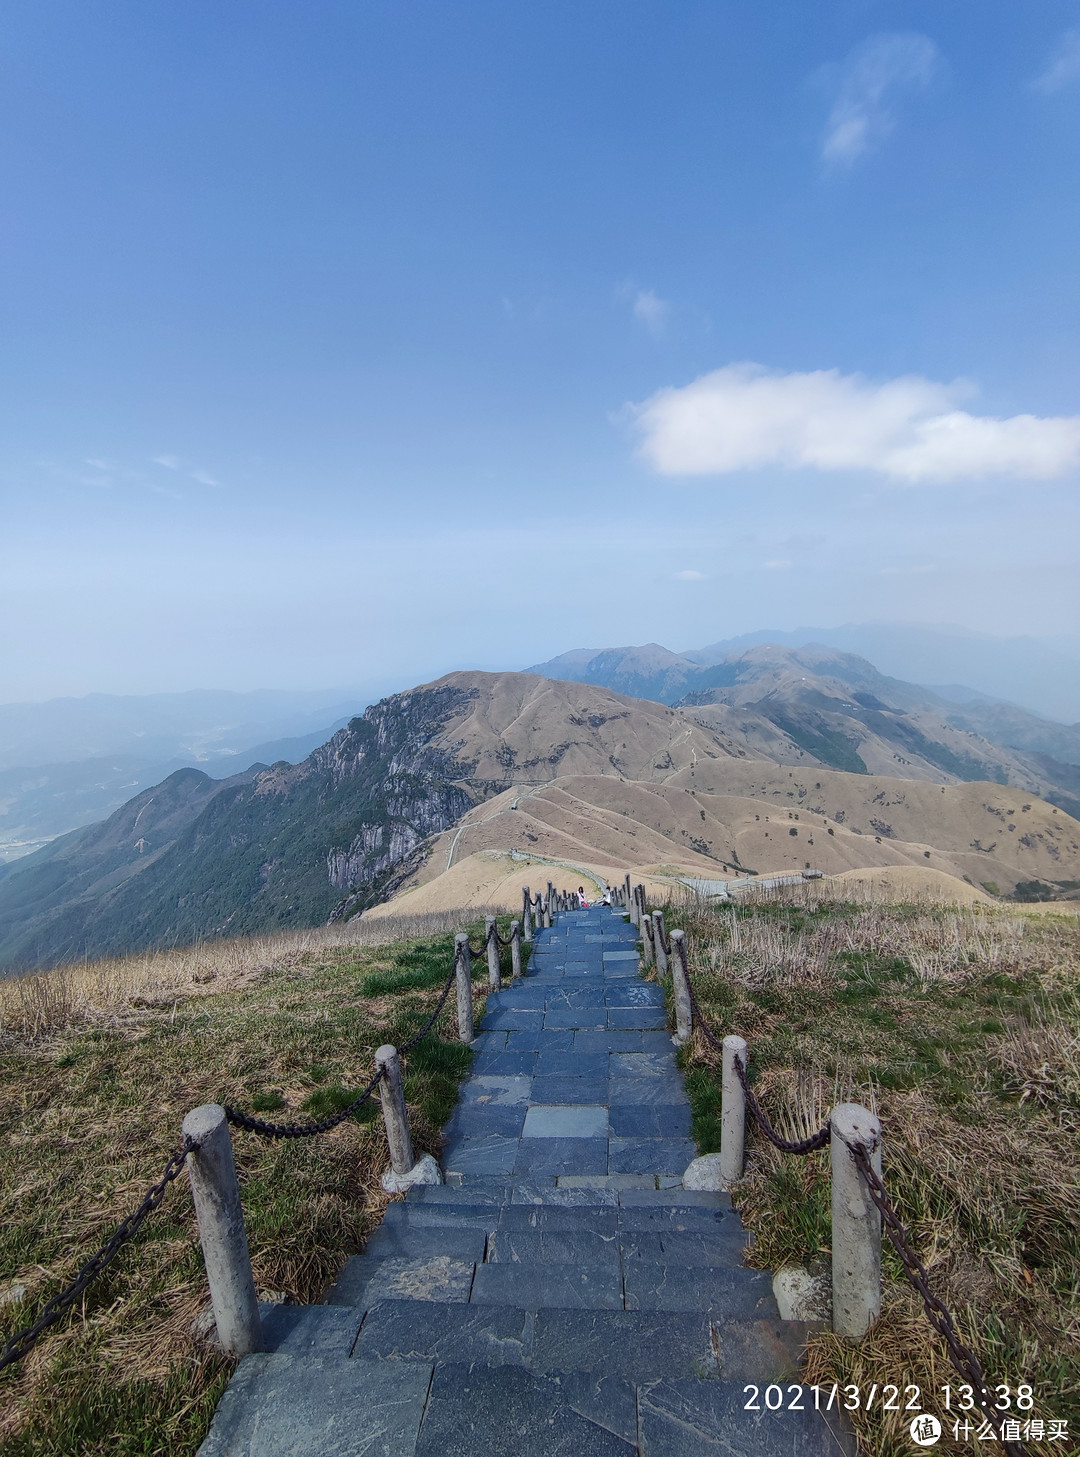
553	1247
489	1189
400	1330
604	1041
571	1065
566	1197
434	1277
643	1065
491	1063
634	994
620	956
685	1418
489	1042
571	994
278	1405
579	1121
633	1344
524	996
491	1154
607	1181
649	1155
724	1245
666	1089
575	1017
679	1200
570	1090
607	1400
312	1330
513	1020
713	1289
542	1040
478	1120
657	1042
561	1156
496	1091
643	1019
402	1241
569	1287
644	1120
582	1215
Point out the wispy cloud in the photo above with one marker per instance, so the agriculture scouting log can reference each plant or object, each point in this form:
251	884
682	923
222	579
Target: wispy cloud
865	85
689	575
651	310
170	462
910	429
204	478
1063	65
777	565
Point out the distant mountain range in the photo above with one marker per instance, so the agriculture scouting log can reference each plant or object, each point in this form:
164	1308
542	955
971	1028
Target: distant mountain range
737	778
69	762
835	707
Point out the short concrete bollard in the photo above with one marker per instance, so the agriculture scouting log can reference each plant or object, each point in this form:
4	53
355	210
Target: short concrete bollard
212	1172
395	1115
659	945
526	912
635	908
515	949
463	967
627	906
856	1223
732	1113
648	955
680	986
491	939
547	909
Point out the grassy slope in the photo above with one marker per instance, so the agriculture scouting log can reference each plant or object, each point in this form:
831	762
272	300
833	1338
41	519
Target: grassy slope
960	1028
92	1106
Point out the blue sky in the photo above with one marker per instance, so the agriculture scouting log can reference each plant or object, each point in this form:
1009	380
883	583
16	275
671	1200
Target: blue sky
355	342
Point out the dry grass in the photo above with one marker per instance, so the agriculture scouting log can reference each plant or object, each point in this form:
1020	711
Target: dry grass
98	1066
959	1027
38	1003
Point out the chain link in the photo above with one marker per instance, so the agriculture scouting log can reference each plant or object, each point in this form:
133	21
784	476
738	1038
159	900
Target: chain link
24	1341
299	1130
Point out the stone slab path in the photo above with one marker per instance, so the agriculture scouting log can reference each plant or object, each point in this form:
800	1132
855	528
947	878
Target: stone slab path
561	1293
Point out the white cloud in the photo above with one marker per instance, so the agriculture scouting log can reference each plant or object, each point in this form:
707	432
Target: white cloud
651	310
777	566
1063	66
690	575
744	416
170	462
204	478
865	83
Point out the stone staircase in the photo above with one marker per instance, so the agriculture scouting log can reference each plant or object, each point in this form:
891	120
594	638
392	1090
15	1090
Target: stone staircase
561	1293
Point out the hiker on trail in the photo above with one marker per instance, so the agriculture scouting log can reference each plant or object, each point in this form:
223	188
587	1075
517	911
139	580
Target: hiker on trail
605	899
582	902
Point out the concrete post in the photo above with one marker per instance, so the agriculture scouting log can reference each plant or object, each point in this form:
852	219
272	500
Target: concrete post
547	909
732	1113
659	948
648	955
680	985
463	964
526	912
491	941
394	1112
635	908
626	896
856	1223
216	1193
515	949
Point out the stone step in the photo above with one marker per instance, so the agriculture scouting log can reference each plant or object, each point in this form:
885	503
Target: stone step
283	1405
721	1290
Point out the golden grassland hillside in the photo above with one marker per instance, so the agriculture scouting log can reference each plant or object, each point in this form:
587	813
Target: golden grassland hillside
99	1064
958	1026
723	817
